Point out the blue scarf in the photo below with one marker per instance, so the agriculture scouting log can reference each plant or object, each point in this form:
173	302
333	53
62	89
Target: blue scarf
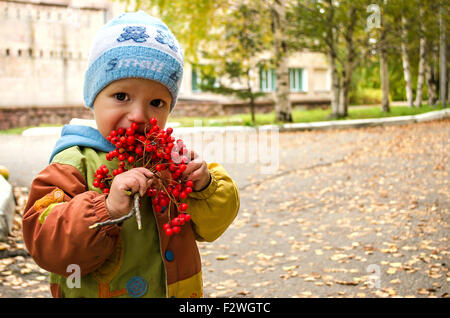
85	136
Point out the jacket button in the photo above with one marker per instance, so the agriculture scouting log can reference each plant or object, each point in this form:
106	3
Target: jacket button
169	255
137	286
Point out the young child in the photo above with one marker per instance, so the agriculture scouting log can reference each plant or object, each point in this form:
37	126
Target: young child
134	73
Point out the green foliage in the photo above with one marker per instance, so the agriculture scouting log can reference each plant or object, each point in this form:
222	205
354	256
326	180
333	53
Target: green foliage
228	37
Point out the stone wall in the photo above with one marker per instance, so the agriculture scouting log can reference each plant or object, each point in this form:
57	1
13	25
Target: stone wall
13	117
34	116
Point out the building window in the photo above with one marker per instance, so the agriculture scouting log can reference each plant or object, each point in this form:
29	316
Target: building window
296	80
202	75
196	80
267	80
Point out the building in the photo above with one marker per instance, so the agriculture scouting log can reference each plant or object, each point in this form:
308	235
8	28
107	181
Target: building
43	56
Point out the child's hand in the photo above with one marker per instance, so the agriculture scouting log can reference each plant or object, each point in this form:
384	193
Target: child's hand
197	171
118	202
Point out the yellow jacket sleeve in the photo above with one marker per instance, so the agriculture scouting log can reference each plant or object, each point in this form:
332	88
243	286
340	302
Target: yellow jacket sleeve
213	209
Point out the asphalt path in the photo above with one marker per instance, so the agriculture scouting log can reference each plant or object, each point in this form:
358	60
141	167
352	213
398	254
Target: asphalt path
342	213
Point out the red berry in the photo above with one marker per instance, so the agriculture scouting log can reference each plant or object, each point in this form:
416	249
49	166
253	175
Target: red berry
183	207
130	140
106	190
130	159
189	183
134	126
96	183
187	217
183	195
169	130
153	121
166	226
176	229
130	131
169	232
163	202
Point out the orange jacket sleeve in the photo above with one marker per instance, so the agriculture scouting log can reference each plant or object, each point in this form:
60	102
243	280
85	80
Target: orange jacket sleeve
63	237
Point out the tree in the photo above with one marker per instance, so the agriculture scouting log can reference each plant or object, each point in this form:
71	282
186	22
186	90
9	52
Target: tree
235	56
283	108
193	22
384	73
336	29
405	55
422	56
443	55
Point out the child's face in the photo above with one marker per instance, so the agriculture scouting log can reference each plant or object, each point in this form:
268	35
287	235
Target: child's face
131	100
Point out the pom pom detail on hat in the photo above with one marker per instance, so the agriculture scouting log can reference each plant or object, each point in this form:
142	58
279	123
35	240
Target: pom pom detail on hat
134	45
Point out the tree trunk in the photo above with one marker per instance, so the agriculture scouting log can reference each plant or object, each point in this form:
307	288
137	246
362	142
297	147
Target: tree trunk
331	40
442	58
430	74
252	109
405	60
384	75
335	87
282	103
349	62
251	95
422	56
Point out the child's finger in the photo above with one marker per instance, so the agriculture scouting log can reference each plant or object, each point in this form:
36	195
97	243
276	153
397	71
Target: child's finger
146	172
191	166
137	182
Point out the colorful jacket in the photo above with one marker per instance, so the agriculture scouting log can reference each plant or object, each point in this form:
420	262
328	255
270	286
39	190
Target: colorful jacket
116	260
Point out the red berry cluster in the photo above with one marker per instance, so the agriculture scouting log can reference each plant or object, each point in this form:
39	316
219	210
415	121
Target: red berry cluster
157	151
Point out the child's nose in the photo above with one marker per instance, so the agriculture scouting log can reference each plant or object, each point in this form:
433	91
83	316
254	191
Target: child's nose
137	113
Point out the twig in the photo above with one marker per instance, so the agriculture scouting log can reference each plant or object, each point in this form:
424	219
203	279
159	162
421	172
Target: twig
137	210
134	209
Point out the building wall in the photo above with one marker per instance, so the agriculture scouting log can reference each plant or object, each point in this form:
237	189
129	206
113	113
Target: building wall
43	52
44	49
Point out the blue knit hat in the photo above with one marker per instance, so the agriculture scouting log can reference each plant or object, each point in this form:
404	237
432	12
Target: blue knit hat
134	45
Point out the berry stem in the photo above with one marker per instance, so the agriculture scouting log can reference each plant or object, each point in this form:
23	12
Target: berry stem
134	209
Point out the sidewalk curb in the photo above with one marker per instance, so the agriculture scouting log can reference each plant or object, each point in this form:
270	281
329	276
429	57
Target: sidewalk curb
323	125
369	122
319	125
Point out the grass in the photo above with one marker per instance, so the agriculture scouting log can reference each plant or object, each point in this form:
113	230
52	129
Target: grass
299	116
20	130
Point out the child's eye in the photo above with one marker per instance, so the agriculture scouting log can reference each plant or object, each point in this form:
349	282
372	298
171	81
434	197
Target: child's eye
120	96
157	103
